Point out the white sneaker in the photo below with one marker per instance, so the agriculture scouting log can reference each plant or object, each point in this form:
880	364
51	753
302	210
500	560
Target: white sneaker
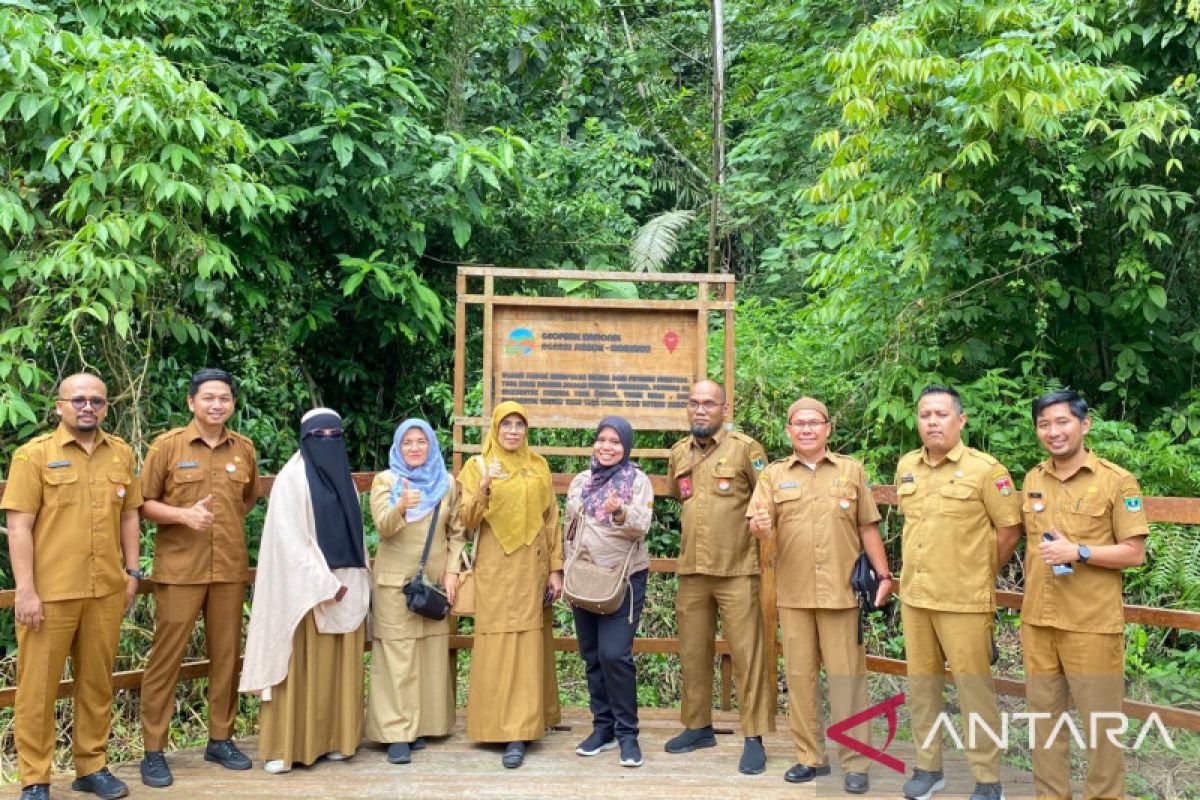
334	755
276	767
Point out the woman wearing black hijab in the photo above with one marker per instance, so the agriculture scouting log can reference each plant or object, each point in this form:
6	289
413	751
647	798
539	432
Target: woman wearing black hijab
609	508
312	591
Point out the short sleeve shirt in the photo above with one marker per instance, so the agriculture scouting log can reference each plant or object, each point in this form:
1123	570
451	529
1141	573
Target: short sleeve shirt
714	483
816	514
180	470
1101	504
951	512
77	500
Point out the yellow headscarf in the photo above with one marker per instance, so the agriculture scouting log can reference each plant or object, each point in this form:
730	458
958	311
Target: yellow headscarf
519	500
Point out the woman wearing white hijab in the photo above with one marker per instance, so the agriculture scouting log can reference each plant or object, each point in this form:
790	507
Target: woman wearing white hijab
312	591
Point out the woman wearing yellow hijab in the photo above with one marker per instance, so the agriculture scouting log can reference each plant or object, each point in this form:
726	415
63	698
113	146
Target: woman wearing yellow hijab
508	497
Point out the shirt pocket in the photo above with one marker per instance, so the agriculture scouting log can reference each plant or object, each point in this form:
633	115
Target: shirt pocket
724	481
118	486
958	500
906	495
788	495
845	500
1034	514
1088	523
186	486
60	487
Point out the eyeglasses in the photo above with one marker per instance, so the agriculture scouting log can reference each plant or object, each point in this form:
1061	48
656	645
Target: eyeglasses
707	405
513	425
80	403
808	424
326	433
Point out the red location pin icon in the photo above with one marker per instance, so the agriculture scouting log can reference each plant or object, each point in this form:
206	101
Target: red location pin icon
671	340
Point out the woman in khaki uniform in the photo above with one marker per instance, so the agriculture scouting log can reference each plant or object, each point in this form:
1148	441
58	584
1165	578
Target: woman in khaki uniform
412	691
507	495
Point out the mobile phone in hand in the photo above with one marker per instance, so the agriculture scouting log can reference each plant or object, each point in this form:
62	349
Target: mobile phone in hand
1058	569
548	597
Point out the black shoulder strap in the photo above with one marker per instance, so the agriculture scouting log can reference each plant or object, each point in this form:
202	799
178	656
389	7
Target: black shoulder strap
429	537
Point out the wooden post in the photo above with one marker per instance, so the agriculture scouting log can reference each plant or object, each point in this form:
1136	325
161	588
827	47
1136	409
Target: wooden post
718	144
727	682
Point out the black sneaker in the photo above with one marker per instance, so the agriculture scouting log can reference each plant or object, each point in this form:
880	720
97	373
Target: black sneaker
225	753
596	743
987	791
923	784
36	791
399	753
631	754
155	771
514	755
754	757
417	744
856	782
101	783
692	739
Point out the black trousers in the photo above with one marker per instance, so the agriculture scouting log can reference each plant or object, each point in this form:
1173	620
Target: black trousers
606	644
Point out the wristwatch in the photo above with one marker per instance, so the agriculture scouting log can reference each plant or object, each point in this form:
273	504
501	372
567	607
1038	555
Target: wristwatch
135	573
1085	553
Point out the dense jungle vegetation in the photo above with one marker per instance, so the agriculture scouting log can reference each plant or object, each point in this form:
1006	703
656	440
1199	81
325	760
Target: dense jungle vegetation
996	194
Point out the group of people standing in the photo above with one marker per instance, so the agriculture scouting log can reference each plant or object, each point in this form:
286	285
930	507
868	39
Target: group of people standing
74	501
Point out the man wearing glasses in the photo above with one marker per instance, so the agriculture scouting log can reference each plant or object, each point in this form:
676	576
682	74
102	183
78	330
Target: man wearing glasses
72	503
199	481
713	472
818	505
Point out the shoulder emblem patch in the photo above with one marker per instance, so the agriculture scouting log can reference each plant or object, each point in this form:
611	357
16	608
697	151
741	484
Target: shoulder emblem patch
1133	504
758	463
1005	486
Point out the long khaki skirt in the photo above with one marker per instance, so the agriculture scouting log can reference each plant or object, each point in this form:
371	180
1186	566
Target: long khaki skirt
514	686
412	690
318	708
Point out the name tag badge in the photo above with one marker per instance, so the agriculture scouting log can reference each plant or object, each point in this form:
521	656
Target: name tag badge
685	488
187	465
908	478
787	485
59	464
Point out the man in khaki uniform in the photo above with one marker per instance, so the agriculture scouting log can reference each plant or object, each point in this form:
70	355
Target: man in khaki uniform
199	481
962	521
72	502
819	506
1085	512
714	472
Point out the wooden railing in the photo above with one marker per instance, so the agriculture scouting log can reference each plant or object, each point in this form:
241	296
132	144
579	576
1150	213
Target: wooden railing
1178	510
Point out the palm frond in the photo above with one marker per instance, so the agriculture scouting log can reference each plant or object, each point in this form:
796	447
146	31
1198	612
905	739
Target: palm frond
657	239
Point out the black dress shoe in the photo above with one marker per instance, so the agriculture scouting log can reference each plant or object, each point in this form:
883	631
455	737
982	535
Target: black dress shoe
155	771
803	773
754	757
225	753
856	782
417	744
399	753
514	755
36	791
101	783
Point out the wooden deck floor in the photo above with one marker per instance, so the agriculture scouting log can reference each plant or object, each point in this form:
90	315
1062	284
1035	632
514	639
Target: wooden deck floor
455	767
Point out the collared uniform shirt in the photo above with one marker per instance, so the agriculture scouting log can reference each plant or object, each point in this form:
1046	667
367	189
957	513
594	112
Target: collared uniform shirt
714	484
951	513
1101	504
180	470
78	500
816	515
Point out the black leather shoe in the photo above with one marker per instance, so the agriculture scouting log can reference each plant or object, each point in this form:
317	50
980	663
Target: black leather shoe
856	782
417	744
514	755
225	753
692	739
803	773
754	757
399	753
36	791
155	771
101	783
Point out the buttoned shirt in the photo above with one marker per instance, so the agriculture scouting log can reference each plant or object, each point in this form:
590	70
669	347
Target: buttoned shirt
816	514
77	499
714	481
1101	504
180	470
951	512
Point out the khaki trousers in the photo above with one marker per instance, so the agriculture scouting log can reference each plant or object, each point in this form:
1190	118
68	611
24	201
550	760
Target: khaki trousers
812	637
177	607
88	629
1091	666
697	604
931	638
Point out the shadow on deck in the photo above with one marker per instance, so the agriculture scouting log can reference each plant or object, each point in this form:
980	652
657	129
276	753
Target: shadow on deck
455	767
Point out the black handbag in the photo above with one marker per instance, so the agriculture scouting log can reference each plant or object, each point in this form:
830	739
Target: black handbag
865	585
421	596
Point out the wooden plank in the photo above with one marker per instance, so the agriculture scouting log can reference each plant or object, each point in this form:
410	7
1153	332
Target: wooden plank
570	274
1142	615
460	365
525	301
489	374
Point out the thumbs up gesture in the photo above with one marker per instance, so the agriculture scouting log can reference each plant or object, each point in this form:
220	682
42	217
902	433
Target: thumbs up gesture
199	517
612	503
760	520
409	498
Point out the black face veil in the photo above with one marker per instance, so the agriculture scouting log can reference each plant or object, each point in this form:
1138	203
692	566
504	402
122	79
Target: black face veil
334	497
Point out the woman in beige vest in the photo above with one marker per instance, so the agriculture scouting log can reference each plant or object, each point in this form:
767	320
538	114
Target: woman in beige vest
412	688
